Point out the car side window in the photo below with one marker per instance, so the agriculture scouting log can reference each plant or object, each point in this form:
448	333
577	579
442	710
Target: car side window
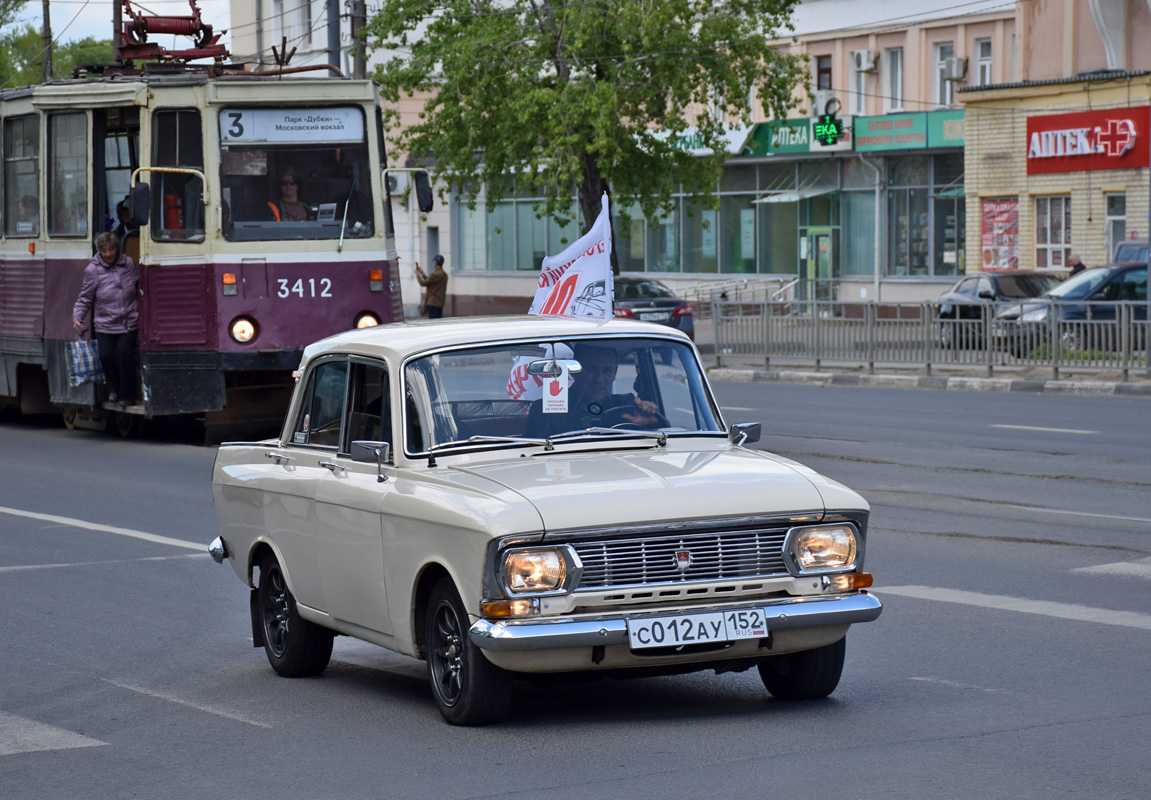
967	287
1134	286
321	415
369	407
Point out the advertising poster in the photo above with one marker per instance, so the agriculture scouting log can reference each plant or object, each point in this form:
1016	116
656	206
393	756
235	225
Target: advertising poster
1000	233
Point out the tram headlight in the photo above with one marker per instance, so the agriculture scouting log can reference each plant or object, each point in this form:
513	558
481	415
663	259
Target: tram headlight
243	329
367	320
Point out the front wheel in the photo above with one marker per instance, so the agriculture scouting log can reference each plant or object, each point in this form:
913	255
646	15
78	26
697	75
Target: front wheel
295	647
468	688
807	675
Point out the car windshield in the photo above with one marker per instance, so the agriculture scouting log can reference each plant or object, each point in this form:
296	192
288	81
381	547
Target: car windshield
1079	286
538	391
641	290
1017	286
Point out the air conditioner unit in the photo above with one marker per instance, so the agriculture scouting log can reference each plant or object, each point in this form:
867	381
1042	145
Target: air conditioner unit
954	69
820	99
863	60
396	182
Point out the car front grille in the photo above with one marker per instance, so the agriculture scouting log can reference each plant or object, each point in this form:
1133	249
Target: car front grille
681	558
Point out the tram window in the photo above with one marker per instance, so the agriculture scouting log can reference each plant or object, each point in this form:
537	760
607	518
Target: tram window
295	174
178	204
21	177
68	174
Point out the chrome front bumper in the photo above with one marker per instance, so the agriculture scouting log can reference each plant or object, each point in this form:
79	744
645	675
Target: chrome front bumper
563	632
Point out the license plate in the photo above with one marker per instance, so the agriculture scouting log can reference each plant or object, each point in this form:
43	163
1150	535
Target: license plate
706	628
657	316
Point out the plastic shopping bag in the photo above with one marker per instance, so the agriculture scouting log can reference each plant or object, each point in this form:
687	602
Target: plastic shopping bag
83	362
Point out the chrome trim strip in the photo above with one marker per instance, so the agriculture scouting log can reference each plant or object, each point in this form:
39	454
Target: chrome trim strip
553	634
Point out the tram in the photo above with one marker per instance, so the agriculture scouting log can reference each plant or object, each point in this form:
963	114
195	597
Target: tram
230	290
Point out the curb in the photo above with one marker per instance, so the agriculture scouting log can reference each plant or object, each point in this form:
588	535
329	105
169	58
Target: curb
939	383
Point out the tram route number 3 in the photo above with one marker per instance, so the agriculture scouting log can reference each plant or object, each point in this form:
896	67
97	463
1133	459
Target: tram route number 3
302	288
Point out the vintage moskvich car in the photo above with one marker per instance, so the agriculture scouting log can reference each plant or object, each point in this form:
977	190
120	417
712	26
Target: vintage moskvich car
514	495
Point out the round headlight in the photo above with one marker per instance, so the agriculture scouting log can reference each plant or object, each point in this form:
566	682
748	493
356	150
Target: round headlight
534	571
822	548
243	329
367	320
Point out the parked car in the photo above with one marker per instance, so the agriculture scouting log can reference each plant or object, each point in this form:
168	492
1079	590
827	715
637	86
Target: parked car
418	498
649	300
1130	250
1085	307
963	308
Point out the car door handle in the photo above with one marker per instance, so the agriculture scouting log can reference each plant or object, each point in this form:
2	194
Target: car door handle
332	465
280	457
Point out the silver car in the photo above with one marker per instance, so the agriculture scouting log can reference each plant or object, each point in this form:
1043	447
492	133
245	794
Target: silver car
503	497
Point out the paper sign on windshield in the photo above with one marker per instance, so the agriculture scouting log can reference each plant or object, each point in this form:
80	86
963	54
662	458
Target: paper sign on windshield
555	399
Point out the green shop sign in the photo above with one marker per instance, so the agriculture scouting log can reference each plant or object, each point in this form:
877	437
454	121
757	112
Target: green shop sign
781	136
916	131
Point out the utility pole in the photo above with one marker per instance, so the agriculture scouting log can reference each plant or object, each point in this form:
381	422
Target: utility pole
47	44
359	57
334	33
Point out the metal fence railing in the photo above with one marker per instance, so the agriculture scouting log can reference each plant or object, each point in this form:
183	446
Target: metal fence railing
1080	335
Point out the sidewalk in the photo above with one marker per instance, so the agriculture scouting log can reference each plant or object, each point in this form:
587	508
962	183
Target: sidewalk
964	378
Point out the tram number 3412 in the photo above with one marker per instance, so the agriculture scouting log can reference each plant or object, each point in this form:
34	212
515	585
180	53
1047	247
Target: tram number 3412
302	289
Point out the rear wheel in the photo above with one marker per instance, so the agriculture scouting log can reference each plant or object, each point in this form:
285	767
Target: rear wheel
295	647
807	675
468	688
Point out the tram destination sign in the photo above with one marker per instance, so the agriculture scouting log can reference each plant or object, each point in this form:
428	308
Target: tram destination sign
343	125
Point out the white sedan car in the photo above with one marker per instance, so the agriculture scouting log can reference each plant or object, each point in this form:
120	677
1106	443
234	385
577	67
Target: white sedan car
502	496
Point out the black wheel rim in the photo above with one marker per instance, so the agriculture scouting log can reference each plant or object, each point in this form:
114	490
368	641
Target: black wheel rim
446	654
276	606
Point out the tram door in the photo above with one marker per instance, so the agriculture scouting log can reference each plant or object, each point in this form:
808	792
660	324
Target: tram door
116	153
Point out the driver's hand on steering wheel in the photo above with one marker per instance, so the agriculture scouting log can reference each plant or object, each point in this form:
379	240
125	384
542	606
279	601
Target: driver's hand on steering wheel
646	414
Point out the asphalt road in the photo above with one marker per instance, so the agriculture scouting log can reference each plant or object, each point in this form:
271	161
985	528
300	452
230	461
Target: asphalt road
1010	540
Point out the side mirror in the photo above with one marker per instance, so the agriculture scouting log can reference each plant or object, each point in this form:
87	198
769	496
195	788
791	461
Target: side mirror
742	433
378	453
423	191
986	295
140	204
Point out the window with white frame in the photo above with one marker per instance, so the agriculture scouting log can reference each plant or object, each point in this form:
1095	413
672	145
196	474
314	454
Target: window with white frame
1116	222
1052	231
983	59
944	52
893	68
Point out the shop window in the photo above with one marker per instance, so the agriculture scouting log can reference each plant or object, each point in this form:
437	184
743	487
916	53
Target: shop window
893	67
908	231
778	238
1052	232
501	237
737	233
68	174
857	233
628	236
531	232
700	239
21	176
983	61
950	224
663	243
1116	222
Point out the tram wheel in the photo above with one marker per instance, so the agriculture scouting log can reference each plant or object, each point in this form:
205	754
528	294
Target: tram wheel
69	415
126	425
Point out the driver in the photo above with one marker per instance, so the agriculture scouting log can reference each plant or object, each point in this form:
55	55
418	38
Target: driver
590	396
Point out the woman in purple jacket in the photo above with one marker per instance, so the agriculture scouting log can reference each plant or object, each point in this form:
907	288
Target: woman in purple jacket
109	292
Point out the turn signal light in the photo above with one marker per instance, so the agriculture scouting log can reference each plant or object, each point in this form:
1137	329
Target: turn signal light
376	280
230	287
847	583
508	608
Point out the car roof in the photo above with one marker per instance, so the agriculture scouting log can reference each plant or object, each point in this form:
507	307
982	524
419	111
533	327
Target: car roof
402	339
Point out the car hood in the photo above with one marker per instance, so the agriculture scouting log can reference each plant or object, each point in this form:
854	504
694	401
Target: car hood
1017	310
581	490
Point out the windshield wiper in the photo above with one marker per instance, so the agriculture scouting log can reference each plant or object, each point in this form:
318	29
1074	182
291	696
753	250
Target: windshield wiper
660	435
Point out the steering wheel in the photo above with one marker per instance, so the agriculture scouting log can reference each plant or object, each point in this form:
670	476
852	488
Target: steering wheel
613	418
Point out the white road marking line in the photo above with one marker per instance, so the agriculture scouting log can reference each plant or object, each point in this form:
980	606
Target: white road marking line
1103	616
1079	513
20	735
206	709
738	408
1140	568
92	526
954	685
1047	430
26	567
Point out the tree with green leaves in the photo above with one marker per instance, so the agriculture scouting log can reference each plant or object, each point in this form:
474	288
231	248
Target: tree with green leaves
551	96
22	55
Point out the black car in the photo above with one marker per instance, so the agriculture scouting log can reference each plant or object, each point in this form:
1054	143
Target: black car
649	300
963	308
1086	308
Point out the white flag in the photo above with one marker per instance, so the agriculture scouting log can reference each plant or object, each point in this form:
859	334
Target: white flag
577	282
